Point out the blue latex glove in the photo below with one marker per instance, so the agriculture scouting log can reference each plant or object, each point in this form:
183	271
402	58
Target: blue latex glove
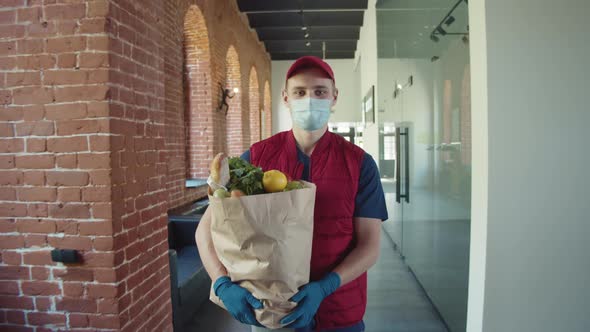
237	300
309	299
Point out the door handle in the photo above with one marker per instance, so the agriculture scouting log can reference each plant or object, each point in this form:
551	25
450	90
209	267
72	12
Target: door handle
407	162
398	154
406	166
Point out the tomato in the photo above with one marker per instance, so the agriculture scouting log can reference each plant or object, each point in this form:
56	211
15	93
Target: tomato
237	193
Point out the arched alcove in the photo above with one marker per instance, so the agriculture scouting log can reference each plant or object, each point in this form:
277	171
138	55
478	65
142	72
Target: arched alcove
197	92
234	115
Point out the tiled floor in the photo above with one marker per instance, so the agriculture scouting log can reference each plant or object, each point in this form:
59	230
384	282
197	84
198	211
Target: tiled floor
396	303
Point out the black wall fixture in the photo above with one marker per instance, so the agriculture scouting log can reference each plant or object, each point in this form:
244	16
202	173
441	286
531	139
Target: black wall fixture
65	256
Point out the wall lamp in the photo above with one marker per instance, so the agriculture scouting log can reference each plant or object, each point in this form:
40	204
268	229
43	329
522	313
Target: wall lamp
399	87
225	94
448	20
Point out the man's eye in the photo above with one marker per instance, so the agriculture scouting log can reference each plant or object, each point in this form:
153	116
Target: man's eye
300	93
320	92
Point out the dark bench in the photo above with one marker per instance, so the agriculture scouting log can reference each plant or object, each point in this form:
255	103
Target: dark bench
189	281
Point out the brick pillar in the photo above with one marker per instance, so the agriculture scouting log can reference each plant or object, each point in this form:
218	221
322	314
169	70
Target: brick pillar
254	96
139	196
267	111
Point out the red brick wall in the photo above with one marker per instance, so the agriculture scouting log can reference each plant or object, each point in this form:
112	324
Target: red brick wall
55	158
94	149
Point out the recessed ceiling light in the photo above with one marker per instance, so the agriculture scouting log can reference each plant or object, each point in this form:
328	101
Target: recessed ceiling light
303	28
306	35
307	44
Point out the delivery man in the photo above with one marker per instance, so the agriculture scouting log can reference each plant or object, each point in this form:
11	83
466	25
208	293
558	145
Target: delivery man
349	208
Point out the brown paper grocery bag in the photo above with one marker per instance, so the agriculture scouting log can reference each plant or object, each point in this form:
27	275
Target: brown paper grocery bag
264	242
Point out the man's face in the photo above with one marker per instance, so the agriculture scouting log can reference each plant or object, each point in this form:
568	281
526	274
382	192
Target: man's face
312	83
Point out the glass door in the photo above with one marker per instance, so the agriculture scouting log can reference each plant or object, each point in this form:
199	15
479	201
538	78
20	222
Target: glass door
424	89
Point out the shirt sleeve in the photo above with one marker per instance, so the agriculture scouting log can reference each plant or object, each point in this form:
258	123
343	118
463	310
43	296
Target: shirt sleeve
246	156
370	199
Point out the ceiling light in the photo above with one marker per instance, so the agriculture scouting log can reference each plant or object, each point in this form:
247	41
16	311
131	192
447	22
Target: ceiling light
306	35
303	28
450	20
236	90
434	38
441	30
307	44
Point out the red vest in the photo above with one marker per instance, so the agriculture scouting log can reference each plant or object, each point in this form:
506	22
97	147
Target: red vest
335	169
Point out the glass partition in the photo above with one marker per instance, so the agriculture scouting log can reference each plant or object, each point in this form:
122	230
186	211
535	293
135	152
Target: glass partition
424	94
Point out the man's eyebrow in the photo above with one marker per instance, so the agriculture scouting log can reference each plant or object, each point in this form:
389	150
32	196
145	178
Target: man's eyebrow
297	88
313	87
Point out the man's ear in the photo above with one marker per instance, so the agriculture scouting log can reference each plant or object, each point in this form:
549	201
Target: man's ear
335	97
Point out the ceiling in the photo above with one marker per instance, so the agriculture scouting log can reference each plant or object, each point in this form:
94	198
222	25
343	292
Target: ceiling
404	27
280	25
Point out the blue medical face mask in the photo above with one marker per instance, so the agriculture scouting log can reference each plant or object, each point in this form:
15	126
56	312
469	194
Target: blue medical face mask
310	114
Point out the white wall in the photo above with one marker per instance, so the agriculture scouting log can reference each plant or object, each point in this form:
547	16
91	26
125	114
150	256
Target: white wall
530	268
281	120
366	57
346	109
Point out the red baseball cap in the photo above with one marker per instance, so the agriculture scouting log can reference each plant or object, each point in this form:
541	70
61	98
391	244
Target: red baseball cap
307	62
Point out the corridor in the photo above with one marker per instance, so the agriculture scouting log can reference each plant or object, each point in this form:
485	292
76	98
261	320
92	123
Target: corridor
113	113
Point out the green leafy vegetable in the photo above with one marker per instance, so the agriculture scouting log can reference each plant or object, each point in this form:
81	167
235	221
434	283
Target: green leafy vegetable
245	177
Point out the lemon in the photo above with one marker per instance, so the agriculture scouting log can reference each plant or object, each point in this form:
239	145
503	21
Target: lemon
274	181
